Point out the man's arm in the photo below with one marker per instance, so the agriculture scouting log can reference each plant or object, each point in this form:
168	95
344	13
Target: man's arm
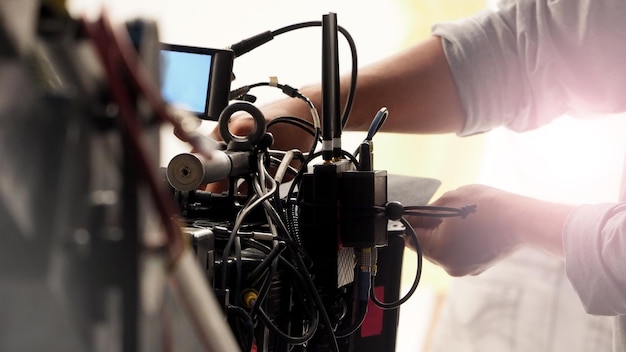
415	85
503	223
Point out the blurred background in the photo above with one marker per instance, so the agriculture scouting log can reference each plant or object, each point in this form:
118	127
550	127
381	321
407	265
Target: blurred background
561	162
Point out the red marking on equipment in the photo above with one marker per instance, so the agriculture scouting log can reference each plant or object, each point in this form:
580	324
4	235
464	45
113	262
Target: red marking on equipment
373	323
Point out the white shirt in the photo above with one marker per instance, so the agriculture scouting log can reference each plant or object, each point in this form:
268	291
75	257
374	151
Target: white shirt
530	62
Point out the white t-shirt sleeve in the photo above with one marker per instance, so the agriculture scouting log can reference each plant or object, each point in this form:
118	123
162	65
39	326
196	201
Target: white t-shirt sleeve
530	61
595	247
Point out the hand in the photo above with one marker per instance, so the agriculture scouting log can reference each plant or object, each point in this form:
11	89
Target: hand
285	136
469	246
502	223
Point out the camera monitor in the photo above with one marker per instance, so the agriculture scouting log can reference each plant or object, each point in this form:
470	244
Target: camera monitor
196	79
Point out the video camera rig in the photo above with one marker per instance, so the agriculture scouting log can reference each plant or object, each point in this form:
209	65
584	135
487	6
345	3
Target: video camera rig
302	271
257	267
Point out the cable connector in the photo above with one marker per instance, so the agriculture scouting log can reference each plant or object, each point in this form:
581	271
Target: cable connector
238	93
251	43
287	89
365	265
290	91
249	298
374	261
467	210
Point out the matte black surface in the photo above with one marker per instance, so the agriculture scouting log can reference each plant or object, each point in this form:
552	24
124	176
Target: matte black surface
409	191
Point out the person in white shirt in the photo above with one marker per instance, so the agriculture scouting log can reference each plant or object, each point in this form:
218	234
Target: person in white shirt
520	66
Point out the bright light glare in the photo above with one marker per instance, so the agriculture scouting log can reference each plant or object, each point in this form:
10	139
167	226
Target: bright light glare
570	160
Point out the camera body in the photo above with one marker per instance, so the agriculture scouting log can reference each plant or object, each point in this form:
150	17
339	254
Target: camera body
283	264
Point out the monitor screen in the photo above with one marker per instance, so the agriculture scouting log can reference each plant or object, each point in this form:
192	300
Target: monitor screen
185	79
196	79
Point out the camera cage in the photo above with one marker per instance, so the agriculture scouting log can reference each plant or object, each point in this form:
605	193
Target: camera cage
289	271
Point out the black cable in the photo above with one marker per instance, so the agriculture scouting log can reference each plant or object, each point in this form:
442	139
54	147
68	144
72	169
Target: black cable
300	281
318	301
275	252
416	280
440	212
257	310
265	288
308	282
277	201
283	260
229	244
351	157
282	227
287	338
238	265
291	216
315	155
273	213
346	332
394	211
305	125
245	318
296	181
257	245
311	157
294	93
310	126
354	72
290	203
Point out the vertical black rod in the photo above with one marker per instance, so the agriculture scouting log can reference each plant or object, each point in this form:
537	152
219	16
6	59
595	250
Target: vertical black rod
128	254
331	127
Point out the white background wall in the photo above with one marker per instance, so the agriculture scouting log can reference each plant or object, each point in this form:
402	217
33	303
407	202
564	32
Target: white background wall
295	58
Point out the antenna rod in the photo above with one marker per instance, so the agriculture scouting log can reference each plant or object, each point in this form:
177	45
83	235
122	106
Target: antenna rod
331	128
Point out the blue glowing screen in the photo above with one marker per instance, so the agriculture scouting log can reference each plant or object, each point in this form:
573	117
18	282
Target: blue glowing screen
185	78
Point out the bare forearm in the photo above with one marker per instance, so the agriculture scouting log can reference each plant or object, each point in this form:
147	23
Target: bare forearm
538	223
415	85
